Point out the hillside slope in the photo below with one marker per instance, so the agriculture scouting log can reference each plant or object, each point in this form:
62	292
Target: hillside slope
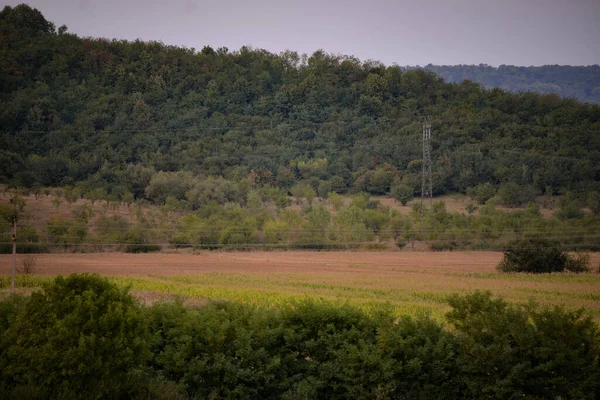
111	114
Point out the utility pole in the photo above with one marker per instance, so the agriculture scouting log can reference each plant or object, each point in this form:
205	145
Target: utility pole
426	181
14	252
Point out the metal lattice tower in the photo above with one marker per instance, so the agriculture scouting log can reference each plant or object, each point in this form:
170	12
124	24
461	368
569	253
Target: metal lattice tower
426	181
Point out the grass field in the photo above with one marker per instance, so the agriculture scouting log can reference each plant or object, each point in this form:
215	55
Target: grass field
408	282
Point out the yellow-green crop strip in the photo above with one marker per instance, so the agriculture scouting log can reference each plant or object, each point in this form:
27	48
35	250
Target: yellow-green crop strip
404	293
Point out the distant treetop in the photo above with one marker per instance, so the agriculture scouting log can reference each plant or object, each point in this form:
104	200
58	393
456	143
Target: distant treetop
579	82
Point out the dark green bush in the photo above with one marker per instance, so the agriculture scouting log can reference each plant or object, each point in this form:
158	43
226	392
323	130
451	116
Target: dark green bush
80	337
508	351
443	245
481	193
533	256
311	350
541	256
418	360
137	243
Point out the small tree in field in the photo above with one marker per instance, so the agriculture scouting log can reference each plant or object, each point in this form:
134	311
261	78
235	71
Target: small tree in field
401	192
534	256
539	255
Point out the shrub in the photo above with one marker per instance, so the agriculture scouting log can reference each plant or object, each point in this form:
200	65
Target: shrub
541	256
401	243
374	246
78	338
28	265
137	243
569	210
481	193
444	245
401	192
534	255
511	194
417	361
578	262
510	351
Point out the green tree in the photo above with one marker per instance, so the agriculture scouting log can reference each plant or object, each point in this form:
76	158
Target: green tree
507	350
336	201
512	194
96	194
533	256
593	202
303	191
402	193
79	336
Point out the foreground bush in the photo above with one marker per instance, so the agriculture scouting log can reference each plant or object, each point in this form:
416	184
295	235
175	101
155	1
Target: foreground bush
313	350
78	338
509	351
85	338
539	255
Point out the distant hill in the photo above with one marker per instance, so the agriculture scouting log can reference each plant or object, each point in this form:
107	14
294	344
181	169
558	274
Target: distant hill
579	82
110	115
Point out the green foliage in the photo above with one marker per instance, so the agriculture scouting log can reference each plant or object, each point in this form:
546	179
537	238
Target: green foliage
569	210
508	351
165	184
401	192
79	337
228	350
512	194
18	202
470	208
66	232
96	195
218	190
335	201
593	202
303	191
534	256
94	112
482	193
578	262
136	242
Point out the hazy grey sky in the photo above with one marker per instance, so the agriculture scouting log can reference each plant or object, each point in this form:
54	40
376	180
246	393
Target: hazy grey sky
519	32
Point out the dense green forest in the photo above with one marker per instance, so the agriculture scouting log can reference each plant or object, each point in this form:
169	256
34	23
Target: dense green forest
578	82
115	115
83	337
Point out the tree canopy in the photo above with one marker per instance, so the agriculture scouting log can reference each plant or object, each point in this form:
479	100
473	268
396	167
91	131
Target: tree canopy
117	114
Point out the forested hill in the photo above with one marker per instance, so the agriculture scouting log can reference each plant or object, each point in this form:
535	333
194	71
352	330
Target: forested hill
112	114
579	82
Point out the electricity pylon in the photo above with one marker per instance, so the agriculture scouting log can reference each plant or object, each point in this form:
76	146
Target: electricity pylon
426	181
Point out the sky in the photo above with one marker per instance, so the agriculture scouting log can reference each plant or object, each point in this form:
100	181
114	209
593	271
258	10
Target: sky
416	32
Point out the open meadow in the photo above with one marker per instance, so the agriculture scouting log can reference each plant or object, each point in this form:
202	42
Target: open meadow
410	282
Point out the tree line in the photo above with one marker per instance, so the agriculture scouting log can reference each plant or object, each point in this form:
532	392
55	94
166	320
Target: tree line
265	217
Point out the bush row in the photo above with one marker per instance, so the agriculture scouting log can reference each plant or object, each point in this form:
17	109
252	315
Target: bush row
82	337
